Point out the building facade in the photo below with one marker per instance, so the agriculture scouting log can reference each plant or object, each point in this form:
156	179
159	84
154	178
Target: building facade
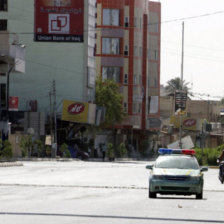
128	51
69	42
59	38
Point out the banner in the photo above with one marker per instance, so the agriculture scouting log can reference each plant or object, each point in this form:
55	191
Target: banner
13	103
59	20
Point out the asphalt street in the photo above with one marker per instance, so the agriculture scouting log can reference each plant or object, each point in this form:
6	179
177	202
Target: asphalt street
99	192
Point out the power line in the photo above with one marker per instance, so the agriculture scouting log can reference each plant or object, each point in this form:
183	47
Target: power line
149	24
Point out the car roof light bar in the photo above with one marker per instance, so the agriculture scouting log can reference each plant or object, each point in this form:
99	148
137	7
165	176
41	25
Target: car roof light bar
165	151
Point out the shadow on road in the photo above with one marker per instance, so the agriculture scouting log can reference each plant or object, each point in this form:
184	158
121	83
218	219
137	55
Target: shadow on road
110	217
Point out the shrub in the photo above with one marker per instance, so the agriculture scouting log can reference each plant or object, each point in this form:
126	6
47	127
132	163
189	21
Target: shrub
40	147
209	156
7	150
48	151
110	151
26	144
121	150
64	151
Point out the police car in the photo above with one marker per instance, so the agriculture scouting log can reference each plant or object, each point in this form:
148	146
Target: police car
176	171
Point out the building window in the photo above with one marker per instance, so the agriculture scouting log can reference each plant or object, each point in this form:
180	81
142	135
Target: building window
3	5
135	51
126	22
135	80
125	78
111	46
156	55
135	22
137	108
126	50
3	24
140	51
111	17
125	107
112	73
139	79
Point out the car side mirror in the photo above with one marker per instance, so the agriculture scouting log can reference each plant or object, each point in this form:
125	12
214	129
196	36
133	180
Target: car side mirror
149	167
204	168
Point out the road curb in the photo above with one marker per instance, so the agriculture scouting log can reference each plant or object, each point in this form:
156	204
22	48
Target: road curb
8	164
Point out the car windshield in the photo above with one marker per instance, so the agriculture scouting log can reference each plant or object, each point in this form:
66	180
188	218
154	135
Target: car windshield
177	162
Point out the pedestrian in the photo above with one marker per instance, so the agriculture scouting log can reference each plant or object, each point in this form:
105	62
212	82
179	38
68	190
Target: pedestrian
104	149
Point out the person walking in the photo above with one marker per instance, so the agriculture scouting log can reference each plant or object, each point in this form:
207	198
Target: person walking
104	149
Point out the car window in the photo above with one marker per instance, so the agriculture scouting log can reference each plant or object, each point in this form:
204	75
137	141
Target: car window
177	162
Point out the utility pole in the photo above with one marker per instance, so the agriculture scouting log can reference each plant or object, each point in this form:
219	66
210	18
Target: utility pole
50	117
181	84
55	117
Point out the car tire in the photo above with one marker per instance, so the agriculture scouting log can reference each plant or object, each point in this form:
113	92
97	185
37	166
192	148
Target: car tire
199	196
152	194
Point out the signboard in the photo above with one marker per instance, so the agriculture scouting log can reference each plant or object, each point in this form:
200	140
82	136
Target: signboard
75	111
180	99
59	20
13	103
187	123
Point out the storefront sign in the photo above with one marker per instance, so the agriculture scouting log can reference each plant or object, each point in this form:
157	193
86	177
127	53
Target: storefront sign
75	111
187	123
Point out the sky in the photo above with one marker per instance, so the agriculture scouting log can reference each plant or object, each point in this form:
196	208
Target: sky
203	45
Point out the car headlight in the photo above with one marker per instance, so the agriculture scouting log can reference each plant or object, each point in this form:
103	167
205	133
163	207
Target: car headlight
157	177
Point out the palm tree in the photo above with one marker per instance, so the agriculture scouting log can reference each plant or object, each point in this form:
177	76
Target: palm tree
175	84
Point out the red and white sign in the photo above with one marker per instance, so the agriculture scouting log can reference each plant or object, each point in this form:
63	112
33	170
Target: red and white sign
76	108
59	20
13	103
189	122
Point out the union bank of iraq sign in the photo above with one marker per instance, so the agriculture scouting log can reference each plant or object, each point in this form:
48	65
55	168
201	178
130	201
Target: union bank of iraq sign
180	99
59	20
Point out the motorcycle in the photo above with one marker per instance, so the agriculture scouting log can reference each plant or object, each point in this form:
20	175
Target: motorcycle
221	170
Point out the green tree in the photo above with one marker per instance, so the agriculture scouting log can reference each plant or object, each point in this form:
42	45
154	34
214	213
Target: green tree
222	100
175	84
108	96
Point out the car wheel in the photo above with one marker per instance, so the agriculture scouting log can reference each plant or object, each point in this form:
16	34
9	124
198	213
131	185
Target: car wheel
199	196
152	194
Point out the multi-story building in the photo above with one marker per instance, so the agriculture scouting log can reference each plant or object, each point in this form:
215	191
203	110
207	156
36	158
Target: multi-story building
59	39
128	51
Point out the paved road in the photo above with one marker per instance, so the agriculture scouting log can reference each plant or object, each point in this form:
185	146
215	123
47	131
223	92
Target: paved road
94	192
